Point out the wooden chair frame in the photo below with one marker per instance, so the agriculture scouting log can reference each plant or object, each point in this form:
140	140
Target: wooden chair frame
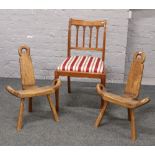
29	87
129	99
82	23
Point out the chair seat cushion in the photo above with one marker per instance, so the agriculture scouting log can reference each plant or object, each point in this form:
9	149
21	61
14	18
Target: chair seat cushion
82	64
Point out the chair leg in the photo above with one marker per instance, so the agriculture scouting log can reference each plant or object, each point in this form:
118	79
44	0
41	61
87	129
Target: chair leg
57	94
129	116
69	84
56	118
20	115
57	100
30	104
101	114
133	126
102	82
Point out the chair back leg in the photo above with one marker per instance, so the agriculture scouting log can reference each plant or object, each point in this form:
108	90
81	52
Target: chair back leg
30	104
20	115
69	84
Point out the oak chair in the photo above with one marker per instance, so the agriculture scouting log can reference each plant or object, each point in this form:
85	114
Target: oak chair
129	99
29	87
84	66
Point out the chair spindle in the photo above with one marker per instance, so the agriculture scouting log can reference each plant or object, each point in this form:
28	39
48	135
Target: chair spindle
97	30
90	38
84	30
77	34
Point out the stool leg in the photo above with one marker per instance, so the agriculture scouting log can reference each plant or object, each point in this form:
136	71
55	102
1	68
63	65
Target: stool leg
101	114
133	126
20	115
56	118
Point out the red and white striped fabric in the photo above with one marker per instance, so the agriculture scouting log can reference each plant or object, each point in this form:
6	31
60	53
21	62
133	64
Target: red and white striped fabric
82	64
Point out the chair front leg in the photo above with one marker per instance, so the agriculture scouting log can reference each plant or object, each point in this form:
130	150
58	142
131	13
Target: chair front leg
30	104
57	100
133	126
102	82
101	114
56	118
69	84
20	115
57	94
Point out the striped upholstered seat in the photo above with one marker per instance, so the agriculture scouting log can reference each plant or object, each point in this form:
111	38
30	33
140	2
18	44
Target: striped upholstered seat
82	64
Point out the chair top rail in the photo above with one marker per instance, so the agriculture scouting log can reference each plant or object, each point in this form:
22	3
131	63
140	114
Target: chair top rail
97	23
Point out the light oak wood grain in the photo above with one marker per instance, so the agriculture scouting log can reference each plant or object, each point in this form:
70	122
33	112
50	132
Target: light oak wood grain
53	108
129	99
29	87
20	115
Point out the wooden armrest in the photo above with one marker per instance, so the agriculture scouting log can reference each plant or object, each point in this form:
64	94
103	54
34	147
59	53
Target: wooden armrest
143	101
100	89
12	91
35	91
124	101
56	84
38	91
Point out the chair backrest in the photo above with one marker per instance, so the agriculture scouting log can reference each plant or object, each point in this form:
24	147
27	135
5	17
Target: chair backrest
26	67
98	24
135	75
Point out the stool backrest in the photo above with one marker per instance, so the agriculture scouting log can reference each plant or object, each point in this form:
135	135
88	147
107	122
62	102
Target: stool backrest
135	75
26	67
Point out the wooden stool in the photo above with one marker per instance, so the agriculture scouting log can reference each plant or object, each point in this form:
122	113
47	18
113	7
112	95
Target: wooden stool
29	87
130	98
